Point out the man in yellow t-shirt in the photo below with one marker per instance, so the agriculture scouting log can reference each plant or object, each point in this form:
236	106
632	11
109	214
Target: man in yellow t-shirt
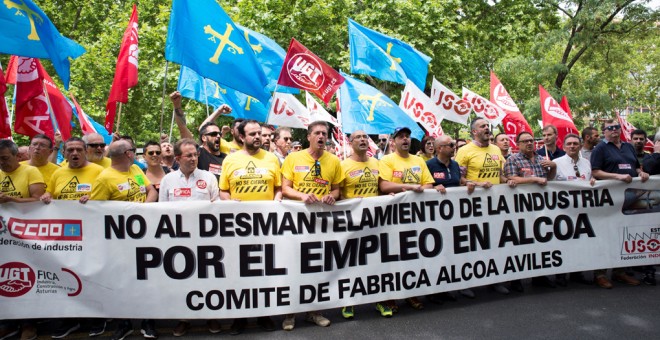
360	171
250	174
19	183
39	150
481	162
400	171
75	181
95	146
312	175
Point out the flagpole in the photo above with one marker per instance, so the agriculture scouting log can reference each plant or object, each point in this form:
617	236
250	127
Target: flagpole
206	98
118	118
162	104
56	128
169	139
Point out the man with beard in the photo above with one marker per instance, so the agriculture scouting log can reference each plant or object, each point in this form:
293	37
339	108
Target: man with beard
251	174
360	180
590	138
616	160
638	139
74	182
282	139
236	144
481	164
167	157
19	183
210	157
502	142
266	135
399	172
550	148
124	181
39	151
312	176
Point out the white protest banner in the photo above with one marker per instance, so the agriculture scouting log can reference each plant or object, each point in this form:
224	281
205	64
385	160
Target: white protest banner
317	112
451	106
418	106
238	259
287	110
484	108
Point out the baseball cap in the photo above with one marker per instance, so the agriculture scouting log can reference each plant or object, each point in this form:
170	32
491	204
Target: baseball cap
296	143
399	130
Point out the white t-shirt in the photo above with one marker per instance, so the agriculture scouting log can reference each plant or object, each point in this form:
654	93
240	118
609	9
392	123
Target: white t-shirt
200	186
566	170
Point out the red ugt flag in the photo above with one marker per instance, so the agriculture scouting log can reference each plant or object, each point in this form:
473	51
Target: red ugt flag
126	73
304	70
514	122
32	116
553	114
5	129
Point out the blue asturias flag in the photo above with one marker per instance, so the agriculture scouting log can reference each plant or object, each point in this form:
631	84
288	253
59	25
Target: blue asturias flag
206	91
365	108
203	37
270	55
384	57
28	32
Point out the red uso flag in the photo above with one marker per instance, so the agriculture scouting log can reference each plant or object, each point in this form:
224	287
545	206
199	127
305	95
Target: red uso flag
304	70
552	113
126	73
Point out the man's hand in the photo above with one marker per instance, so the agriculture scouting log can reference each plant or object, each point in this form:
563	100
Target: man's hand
46	198
542	181
58	139
644	176
175	97
309	198
224	109
625	178
225	130
84	199
328	199
441	188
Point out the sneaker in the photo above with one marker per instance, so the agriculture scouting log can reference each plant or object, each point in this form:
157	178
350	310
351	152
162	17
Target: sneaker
391	304
97	327
124	329
266	323
384	310
289	322
317	318
415	303
214	326
603	282
347	312
148	329
67	327
28	332
627	279
181	328
7	332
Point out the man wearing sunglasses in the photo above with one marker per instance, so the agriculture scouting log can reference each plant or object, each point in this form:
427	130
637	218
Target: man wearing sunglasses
95	150
616	160
312	176
283	141
210	156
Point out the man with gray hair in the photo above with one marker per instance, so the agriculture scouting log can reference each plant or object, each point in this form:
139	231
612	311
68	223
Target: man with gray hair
95	150
282	140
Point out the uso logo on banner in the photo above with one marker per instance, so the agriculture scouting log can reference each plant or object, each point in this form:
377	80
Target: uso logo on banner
16	279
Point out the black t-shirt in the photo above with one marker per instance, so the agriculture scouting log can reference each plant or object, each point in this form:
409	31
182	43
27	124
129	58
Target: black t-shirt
210	162
448	177
609	158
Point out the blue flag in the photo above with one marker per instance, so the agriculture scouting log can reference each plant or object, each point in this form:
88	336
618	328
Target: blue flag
203	37
270	55
365	108
206	91
384	57
28	32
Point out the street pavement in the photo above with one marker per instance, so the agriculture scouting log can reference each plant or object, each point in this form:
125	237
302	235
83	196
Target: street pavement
576	312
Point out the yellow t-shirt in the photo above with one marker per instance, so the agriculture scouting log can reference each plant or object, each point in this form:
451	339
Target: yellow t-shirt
360	178
46	170
423	156
482	163
105	162
17	183
310	176
229	147
409	170
113	185
72	184
251	178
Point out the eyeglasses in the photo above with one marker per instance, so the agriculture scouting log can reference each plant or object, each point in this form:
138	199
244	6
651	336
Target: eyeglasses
317	168
577	171
612	127
131	150
383	139
287	139
525	141
152	153
213	134
452	145
39	145
96	145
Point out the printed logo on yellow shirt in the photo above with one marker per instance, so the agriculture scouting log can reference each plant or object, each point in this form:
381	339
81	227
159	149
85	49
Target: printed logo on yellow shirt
7	185
409	177
251	179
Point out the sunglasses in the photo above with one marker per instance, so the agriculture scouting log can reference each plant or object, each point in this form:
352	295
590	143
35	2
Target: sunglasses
317	168
152	153
452	145
96	145
525	141
213	134
383	139
131	150
577	171
612	127
286	139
